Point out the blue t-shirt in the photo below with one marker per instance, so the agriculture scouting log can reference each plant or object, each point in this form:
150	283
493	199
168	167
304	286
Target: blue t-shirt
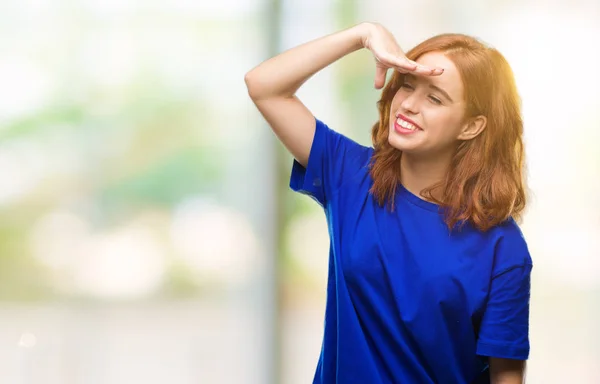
408	301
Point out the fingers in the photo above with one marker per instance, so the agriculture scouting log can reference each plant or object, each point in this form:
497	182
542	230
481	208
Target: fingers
380	75
404	65
428	71
419	69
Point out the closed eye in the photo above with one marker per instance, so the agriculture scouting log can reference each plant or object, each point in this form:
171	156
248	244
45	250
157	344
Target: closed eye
435	100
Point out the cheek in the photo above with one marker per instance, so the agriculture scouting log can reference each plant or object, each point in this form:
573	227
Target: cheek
446	129
443	125
396	101
441	120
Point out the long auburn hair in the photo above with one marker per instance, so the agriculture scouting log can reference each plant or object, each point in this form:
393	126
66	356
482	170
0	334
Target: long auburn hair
485	183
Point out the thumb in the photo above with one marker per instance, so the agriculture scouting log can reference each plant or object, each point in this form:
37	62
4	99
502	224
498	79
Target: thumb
380	75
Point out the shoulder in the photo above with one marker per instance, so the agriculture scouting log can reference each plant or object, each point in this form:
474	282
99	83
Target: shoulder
347	154
509	233
510	247
339	140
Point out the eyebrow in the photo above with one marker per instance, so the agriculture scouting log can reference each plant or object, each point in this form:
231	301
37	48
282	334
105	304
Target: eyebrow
432	86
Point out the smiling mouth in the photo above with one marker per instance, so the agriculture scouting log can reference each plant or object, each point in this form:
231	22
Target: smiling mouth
406	125
402	125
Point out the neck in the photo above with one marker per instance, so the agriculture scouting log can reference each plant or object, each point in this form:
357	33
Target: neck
419	173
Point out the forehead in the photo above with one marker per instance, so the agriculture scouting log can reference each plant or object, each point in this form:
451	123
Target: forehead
450	80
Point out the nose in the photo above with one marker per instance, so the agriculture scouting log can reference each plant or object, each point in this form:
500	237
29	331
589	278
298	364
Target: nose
410	104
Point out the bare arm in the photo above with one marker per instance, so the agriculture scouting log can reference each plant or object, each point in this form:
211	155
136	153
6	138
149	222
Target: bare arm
507	371
272	85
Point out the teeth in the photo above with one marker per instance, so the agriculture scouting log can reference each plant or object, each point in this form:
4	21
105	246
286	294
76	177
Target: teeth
405	124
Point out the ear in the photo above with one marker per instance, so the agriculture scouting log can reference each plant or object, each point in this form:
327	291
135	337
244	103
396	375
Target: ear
473	127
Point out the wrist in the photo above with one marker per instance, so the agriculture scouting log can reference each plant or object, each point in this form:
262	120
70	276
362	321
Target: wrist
362	32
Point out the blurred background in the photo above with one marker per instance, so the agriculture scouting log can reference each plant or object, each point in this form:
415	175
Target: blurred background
147	232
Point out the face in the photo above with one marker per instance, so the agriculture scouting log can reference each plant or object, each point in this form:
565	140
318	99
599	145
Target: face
427	112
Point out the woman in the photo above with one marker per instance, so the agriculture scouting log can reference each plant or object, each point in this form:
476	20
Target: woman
429	275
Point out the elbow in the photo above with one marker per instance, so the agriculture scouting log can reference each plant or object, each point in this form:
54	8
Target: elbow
252	86
260	86
248	79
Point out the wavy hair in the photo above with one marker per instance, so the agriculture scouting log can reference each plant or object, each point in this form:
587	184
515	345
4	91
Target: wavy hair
485	184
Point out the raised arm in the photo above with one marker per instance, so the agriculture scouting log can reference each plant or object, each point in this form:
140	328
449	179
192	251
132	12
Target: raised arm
272	85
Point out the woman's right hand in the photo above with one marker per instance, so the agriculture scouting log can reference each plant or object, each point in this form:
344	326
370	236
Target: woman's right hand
388	54
272	85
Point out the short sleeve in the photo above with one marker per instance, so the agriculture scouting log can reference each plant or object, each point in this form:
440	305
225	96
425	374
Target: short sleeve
504	330
332	158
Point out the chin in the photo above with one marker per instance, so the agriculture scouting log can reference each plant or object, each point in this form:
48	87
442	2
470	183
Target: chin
402	143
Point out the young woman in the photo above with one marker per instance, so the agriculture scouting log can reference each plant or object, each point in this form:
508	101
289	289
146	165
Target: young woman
429	275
